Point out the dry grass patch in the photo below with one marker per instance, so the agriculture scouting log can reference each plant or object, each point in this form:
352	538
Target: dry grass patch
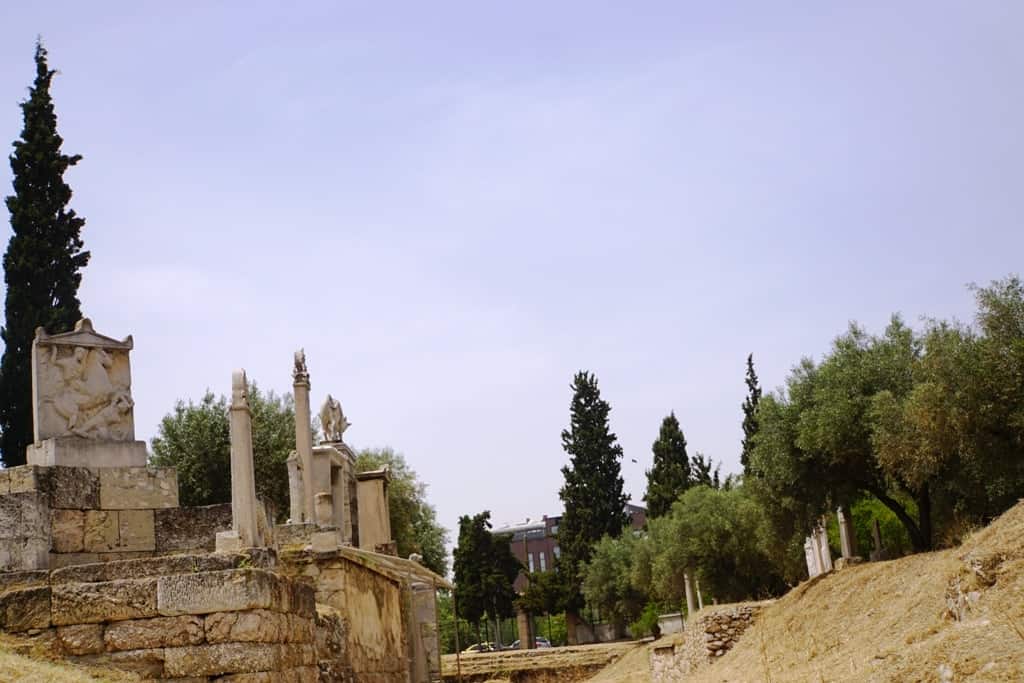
955	615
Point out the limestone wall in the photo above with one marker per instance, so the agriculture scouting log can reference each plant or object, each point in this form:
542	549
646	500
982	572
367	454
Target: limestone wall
52	517
371	605
200	617
710	633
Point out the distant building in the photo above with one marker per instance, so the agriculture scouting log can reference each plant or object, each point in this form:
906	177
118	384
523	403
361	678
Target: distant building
535	544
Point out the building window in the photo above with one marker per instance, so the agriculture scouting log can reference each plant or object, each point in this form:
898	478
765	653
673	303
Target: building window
530	558
554	530
543	563
558	552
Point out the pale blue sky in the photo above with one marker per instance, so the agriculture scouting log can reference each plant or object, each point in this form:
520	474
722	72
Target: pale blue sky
453	207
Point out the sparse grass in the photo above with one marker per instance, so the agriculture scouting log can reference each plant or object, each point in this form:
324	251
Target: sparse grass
31	669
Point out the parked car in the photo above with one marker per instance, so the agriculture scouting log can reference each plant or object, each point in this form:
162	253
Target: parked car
537	642
480	647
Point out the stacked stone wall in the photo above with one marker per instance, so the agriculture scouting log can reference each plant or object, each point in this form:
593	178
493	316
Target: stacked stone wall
53	517
708	635
216	617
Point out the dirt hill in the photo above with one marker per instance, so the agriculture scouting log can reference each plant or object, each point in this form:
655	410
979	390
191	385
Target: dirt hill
955	615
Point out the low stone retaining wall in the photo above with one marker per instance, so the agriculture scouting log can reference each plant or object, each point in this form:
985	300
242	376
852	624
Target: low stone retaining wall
710	633
216	617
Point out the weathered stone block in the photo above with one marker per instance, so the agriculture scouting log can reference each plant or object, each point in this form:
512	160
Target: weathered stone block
226	591
67	531
75	488
77	452
135	530
101	533
24	478
254	626
24	554
221	658
138	488
25	514
161	566
85	603
147	663
5	481
26	608
136	634
59	560
191	528
298	654
81	639
23	579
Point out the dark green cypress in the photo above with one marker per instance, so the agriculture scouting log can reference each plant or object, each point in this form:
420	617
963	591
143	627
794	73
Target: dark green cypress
593	496
670	475
44	258
750	413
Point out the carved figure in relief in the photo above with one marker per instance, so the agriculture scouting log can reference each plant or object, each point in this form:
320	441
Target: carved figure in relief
86	386
333	420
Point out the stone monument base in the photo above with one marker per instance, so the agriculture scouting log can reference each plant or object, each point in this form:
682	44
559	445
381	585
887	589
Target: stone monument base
74	451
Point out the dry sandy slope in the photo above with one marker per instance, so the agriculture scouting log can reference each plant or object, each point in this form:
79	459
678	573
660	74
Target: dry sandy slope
888	621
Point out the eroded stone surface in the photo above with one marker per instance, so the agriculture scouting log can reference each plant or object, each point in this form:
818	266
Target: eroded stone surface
138	634
221	658
226	591
191	528
82	603
146	663
101	532
81	639
26	608
76	488
67	531
135	530
138	488
255	626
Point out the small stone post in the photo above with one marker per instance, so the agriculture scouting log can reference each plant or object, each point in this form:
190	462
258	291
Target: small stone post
243	478
691	604
303	435
811	556
847	539
294	489
700	598
525	626
825	553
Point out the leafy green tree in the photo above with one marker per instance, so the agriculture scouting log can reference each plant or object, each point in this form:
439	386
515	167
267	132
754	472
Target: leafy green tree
195	439
608	580
750	413
670	474
930	424
485	570
721	535
44	259
703	475
592	493
414	524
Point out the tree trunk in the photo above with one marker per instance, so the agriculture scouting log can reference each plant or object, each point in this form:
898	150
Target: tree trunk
917	540
924	516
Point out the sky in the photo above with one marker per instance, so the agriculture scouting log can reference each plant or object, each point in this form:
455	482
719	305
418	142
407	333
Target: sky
453	207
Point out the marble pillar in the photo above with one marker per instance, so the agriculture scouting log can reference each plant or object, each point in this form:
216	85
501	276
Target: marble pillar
243	478
303	435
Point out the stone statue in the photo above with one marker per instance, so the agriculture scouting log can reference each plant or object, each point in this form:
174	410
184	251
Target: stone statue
333	420
88	400
299	372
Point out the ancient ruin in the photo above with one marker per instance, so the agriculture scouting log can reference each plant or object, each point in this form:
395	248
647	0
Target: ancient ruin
99	562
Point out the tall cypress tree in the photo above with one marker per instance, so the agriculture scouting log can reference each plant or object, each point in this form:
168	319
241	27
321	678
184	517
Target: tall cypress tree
750	413
593	496
44	259
670	474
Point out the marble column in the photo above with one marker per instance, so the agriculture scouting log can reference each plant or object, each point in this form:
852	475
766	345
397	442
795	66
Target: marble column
294	489
243	478
303	434
691	604
847	539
